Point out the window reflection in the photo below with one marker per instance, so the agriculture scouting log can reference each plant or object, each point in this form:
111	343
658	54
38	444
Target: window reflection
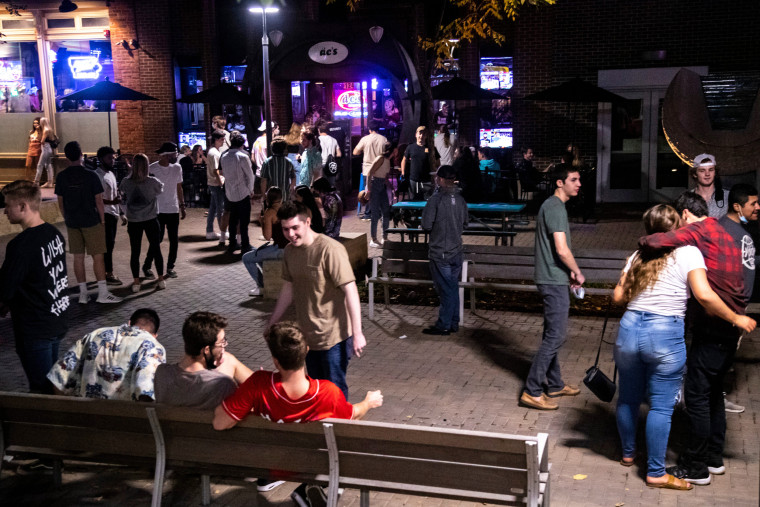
78	65
20	85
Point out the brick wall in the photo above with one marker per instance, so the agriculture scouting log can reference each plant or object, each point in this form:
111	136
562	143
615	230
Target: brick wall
577	38
165	29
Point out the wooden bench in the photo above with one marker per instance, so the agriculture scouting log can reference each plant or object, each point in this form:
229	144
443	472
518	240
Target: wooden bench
403	264
415	233
500	268
436	462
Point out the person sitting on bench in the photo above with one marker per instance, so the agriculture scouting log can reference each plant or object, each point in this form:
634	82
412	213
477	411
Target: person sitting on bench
115	363
288	395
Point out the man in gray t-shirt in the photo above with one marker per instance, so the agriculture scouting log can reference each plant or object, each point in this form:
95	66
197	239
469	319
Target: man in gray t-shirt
207	373
555	270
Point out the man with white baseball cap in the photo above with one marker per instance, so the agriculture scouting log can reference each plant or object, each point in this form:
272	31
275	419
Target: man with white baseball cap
259	148
708	185
171	204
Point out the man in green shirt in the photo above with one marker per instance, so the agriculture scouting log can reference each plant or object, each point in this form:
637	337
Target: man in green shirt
555	270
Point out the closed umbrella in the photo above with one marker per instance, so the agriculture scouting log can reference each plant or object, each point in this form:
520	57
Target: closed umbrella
106	90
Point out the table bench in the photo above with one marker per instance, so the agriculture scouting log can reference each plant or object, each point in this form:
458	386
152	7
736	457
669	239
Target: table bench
415	233
436	462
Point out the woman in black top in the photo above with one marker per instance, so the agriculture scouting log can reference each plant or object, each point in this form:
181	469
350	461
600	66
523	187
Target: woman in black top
304	195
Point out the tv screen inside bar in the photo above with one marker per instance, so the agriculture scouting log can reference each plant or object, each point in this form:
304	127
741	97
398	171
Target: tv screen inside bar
496	138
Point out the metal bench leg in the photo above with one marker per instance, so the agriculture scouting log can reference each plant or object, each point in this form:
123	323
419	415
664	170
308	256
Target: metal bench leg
387	294
205	490
158	436
371	295
364	498
57	473
461	294
332	452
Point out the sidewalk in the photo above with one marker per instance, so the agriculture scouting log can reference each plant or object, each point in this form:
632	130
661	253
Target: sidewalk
470	380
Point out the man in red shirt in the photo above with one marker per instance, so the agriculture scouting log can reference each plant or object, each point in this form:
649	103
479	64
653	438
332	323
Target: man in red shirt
288	395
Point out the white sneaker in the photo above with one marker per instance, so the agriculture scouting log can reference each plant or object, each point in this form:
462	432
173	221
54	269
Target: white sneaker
372	244
213	235
732	407
84	298
255	291
135	287
227	235
108	298
161	285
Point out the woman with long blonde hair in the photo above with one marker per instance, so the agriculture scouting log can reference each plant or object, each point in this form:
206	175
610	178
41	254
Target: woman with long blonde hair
293	138
46	155
650	352
140	193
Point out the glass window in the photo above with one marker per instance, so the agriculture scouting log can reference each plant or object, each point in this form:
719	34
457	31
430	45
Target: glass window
18	24
94	22
496	75
78	65
20	85
61	23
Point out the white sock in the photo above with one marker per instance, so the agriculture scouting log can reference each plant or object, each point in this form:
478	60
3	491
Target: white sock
102	288
83	288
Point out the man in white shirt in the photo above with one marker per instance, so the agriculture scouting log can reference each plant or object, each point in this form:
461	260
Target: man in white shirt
372	145
215	182
112	209
328	144
259	148
238	188
171	204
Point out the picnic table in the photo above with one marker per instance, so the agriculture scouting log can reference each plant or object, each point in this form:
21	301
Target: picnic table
479	216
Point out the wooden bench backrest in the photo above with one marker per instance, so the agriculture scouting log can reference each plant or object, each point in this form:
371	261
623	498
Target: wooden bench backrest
444	462
289	451
405	258
487	261
76	425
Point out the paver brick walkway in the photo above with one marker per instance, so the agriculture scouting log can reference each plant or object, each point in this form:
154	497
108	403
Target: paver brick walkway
470	380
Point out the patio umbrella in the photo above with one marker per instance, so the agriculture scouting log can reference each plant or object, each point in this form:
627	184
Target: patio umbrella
106	90
223	93
457	88
575	91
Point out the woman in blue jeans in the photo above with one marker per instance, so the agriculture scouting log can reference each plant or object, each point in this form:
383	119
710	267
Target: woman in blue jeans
650	351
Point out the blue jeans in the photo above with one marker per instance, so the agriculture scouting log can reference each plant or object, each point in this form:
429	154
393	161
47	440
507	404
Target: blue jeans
253	259
650	354
330	364
215	207
545	366
446	274
379	205
38	355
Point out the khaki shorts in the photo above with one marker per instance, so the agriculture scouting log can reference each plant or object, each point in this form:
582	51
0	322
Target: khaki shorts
93	239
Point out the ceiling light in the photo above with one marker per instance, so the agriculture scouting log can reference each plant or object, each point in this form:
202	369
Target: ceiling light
67	6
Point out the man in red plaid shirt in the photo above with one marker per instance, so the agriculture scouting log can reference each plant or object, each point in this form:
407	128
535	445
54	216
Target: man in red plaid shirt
714	341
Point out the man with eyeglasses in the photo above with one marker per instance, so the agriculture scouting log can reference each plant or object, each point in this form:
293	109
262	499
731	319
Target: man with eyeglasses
207	373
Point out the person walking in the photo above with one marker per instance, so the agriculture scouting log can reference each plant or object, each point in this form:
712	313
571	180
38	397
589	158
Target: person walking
555	270
372	146
215	184
445	216
650	351
141	191
238	188
377	191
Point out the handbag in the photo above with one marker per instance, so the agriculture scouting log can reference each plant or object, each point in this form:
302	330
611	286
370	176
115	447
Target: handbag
595	379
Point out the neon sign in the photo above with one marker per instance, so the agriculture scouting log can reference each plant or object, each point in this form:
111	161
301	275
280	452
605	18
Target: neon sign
350	100
85	67
10	71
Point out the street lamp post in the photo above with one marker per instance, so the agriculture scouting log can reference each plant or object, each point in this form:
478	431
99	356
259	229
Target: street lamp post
265	54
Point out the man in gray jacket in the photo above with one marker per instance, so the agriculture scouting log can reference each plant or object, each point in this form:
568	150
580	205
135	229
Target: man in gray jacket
445	216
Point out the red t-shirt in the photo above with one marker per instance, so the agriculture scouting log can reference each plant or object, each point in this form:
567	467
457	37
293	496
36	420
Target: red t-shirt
263	394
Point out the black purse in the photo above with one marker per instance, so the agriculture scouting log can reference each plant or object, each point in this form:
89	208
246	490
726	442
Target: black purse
596	381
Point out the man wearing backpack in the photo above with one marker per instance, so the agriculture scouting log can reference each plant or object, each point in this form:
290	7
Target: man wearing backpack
330	152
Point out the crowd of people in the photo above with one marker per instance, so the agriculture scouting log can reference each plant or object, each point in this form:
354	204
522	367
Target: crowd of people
686	288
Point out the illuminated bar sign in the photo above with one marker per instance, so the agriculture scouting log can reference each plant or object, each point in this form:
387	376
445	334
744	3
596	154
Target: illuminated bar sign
85	67
350	100
328	52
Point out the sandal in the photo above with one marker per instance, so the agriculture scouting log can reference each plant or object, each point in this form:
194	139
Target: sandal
672	484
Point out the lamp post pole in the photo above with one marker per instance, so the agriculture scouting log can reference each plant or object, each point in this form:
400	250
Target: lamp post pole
265	56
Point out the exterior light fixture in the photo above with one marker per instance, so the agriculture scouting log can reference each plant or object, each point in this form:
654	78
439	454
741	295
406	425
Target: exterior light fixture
260	10
376	32
265	55
67	6
276	37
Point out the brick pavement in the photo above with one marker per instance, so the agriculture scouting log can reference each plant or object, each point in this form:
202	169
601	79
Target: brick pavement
470	380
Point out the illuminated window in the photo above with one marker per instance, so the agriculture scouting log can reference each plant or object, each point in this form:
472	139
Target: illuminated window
20	87
77	65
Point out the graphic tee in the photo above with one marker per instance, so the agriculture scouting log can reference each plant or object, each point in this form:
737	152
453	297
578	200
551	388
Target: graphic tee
34	282
263	394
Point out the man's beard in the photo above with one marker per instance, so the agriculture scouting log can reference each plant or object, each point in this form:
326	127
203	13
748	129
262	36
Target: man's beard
210	363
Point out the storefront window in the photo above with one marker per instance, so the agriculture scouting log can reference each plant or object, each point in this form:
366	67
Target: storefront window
20	86
78	65
496	121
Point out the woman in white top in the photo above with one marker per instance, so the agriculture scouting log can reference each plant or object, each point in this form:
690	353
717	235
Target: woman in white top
446	144
650	351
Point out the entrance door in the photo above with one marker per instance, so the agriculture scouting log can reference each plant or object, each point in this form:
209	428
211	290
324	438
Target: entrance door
637	164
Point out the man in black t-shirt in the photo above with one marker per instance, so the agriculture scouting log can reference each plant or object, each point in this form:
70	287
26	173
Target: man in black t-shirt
416	165
34	285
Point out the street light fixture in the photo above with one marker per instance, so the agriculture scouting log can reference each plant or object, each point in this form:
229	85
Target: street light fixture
265	54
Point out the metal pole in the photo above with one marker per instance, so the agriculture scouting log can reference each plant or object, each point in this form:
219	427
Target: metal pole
267	96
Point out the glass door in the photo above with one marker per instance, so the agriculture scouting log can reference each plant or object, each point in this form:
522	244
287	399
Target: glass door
637	164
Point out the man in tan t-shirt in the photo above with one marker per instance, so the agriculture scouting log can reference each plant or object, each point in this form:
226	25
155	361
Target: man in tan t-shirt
319	280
